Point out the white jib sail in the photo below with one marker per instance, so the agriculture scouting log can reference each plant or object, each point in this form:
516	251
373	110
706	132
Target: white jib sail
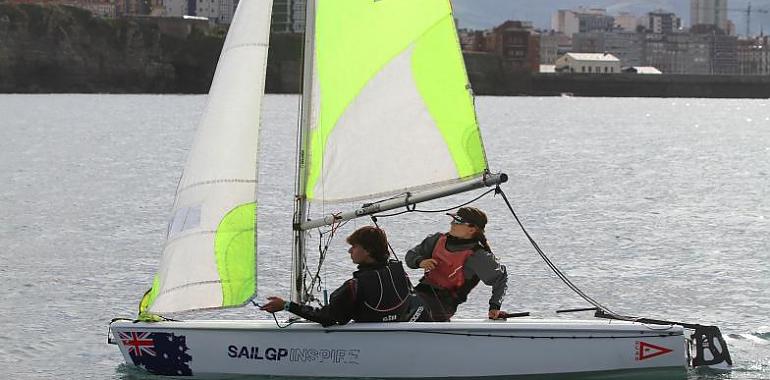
219	184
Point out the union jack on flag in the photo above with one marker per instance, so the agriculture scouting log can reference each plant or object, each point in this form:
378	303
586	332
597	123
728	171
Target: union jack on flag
138	343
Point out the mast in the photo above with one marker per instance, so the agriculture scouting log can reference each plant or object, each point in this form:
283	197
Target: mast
300	200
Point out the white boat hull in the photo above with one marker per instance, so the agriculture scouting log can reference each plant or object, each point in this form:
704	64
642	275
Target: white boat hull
460	349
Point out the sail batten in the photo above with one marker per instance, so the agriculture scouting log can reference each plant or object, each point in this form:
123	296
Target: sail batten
209	259
216	181
395	112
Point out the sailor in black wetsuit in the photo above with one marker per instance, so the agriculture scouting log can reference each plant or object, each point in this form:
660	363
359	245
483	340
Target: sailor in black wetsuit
378	292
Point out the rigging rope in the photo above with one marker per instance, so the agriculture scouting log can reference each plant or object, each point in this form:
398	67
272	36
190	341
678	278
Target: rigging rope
550	263
414	207
528	337
390	247
290	322
563	277
323	248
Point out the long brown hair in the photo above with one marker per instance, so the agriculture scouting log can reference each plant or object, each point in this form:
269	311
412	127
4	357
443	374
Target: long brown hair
479	235
478	219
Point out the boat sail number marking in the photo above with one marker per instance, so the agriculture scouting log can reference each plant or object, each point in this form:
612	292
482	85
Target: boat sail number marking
646	351
316	355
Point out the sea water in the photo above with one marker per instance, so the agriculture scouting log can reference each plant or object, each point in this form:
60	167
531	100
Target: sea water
654	207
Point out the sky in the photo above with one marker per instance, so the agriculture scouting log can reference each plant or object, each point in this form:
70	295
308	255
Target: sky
484	14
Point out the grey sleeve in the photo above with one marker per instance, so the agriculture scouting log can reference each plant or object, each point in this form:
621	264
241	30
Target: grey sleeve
422	251
489	270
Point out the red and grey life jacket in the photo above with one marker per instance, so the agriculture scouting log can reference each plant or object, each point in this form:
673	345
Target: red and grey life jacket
448	273
383	294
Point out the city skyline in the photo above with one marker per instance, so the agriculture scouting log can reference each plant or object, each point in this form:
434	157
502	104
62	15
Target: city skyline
485	14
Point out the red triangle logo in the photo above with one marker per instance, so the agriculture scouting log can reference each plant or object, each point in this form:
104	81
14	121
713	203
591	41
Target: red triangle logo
646	350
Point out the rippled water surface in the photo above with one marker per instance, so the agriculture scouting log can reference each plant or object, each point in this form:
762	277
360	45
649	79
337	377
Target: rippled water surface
654	207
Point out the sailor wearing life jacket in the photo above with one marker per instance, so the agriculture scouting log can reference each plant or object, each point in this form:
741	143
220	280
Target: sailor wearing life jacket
378	292
454	264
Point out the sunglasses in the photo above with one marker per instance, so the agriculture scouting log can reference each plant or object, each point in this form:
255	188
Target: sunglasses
458	220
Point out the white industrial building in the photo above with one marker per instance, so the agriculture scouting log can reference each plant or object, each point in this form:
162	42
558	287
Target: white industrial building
644	70
588	63
218	11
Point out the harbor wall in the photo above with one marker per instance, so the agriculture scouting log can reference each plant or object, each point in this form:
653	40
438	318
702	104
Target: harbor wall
60	49
660	86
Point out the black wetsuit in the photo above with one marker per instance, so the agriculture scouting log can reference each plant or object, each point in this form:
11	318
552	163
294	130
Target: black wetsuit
376	293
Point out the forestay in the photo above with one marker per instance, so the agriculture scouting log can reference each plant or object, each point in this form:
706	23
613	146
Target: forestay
391	105
209	259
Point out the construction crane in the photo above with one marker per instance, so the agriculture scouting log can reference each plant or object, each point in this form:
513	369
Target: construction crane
748	12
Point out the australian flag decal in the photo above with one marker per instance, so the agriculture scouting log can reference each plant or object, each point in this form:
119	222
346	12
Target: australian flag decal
158	353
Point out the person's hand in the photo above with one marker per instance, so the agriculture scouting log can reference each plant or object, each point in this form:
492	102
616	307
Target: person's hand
428	264
496	314
273	304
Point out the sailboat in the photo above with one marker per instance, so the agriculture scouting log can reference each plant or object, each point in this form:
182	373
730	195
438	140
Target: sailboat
388	120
